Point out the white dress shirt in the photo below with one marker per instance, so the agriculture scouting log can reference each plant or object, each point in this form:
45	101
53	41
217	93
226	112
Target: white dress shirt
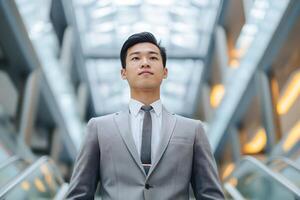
137	117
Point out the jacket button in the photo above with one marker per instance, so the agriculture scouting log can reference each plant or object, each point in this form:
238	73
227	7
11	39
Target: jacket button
147	186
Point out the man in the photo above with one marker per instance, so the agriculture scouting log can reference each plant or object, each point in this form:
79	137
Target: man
145	152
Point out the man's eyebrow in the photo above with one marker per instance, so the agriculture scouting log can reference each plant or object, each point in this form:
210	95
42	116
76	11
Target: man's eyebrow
138	52
153	52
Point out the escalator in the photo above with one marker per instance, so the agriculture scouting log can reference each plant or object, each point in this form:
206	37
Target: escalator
286	167
23	179
253	179
11	168
40	180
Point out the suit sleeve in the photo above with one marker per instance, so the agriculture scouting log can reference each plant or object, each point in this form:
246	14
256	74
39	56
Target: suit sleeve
205	181
85	175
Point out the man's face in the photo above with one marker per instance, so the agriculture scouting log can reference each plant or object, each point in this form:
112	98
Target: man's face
144	67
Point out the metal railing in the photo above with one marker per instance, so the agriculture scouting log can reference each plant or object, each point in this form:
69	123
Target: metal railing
25	174
13	183
260	167
287	161
233	192
9	161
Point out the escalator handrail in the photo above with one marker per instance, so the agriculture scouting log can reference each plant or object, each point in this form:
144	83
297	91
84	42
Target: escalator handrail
275	176
9	161
233	192
289	162
29	170
60	195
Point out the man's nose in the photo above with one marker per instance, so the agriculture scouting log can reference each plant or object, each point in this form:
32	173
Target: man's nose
145	62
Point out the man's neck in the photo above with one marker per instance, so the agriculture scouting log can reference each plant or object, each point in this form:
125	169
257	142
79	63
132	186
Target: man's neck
145	97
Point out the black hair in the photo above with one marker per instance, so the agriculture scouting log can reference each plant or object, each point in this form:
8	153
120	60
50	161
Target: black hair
140	38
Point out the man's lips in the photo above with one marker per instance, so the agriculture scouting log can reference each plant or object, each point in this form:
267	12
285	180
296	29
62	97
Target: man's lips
145	72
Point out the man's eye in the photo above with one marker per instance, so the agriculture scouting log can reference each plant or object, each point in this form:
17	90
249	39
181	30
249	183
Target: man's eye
153	58
134	58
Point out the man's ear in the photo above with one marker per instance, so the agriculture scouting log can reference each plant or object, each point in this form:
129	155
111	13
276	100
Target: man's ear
123	73
165	72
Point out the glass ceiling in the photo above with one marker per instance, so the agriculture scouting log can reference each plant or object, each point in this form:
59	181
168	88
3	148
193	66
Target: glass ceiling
184	27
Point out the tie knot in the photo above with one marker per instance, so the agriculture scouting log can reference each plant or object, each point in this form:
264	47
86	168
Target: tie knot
146	108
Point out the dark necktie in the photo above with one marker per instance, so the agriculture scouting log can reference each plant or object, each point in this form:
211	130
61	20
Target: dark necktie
146	139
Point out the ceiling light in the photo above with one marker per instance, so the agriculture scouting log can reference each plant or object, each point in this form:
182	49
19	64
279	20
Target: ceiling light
292	138
216	95
290	94
257	143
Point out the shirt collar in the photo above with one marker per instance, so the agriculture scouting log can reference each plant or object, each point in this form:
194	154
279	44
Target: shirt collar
135	106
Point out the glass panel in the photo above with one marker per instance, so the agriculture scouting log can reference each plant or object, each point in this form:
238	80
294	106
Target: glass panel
5	153
12	170
42	183
292	175
254	183
287	171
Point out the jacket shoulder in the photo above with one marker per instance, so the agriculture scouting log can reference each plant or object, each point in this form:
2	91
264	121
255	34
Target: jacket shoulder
103	118
189	121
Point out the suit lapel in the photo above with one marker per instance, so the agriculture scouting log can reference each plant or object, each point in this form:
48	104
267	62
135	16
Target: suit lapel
123	123
168	124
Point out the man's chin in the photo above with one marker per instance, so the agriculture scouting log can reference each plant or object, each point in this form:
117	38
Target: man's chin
147	87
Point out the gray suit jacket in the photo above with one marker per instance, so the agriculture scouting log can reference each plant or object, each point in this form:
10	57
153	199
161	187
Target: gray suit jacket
109	156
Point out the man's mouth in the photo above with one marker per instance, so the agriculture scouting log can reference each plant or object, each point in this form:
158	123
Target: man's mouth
145	72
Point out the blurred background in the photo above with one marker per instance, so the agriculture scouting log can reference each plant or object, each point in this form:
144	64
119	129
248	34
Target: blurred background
234	64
